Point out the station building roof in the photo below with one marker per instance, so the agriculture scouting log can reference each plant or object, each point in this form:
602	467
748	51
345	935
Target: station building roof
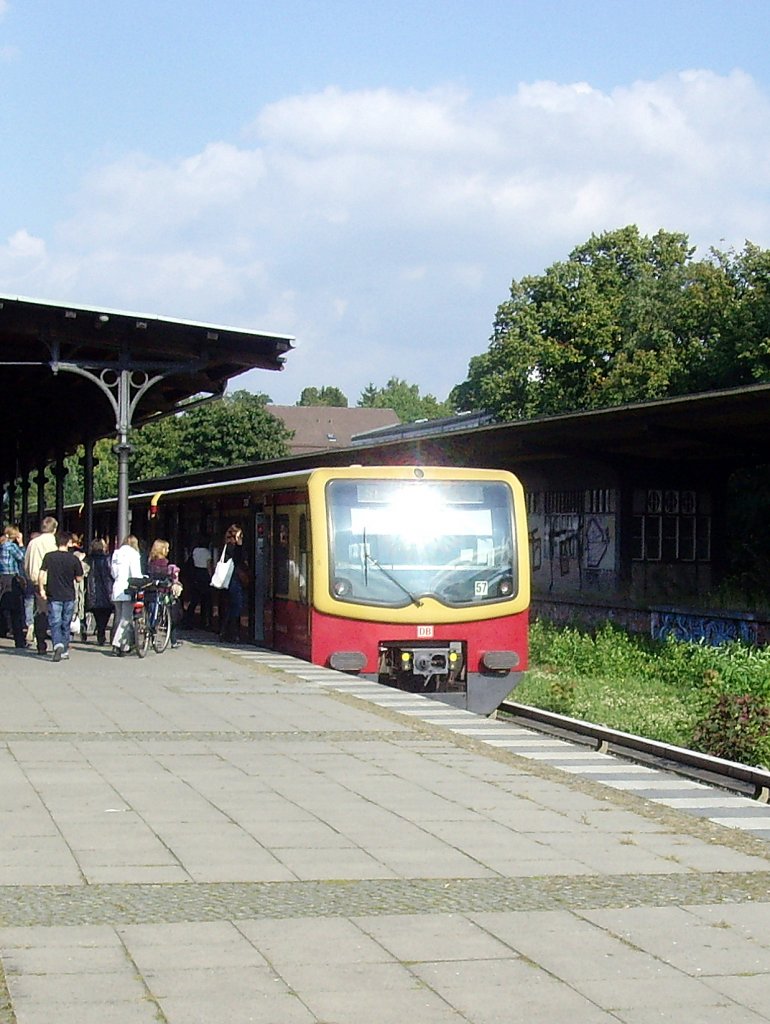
728	426
319	428
715	429
48	404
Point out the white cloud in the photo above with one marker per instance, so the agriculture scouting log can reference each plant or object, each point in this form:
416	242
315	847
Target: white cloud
23	257
383	227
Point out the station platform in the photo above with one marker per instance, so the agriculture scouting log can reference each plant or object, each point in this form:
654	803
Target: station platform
223	835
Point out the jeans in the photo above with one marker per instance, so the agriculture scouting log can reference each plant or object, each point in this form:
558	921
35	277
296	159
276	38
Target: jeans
59	620
200	594
234	602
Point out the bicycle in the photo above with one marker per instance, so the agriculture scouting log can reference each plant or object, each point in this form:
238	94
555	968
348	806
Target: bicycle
152	615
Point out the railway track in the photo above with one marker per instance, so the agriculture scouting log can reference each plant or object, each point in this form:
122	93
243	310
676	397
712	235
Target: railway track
749	781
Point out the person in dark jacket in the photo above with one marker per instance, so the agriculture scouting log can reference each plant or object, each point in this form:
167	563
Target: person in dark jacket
98	590
235	596
57	580
12	585
201	568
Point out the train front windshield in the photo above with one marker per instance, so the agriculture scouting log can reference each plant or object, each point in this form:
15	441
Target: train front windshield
395	542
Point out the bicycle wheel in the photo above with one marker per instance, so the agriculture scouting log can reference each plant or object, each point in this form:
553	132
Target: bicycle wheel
141	634
162	635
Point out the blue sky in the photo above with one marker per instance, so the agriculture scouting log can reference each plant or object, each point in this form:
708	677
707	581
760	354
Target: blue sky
368	178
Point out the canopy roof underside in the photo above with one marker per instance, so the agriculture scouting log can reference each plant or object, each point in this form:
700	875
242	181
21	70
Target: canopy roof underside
49	406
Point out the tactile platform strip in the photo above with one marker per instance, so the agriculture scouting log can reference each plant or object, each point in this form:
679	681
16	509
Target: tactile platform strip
698	799
77	905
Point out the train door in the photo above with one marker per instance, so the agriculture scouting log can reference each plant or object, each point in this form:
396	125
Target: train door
261	576
268	631
287	619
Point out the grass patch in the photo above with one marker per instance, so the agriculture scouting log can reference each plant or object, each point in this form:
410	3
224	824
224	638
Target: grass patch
714	699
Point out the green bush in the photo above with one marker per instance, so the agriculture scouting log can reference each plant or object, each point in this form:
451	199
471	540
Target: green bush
693	695
614	653
732	725
608	651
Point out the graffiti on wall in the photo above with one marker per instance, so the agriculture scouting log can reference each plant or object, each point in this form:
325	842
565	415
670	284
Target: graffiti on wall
710	629
567	545
598	540
535	550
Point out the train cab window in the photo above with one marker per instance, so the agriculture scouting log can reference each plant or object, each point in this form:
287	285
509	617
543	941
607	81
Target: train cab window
394	541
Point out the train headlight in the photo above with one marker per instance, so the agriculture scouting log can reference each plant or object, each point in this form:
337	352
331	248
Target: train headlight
453	657
406	657
506	587
342	587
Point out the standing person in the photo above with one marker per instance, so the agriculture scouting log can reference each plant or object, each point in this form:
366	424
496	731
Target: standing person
234	596
159	566
200	584
37	549
79	614
12	583
99	589
58	577
29	600
126	564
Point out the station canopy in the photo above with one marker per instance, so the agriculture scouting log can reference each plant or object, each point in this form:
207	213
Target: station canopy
710	431
51	354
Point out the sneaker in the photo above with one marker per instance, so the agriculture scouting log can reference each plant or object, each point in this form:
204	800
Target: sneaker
42	649
176	643
65	655
58	651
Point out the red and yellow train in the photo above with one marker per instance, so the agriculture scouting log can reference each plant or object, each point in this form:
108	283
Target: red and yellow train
414	576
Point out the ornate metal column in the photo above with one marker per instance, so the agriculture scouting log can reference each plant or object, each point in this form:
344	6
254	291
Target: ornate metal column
24	518
124	388
60	475
11	501
88	491
40	481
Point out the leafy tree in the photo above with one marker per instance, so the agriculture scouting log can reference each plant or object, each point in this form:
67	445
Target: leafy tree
625	318
405	400
234	430
156	448
323	396
105	475
744	354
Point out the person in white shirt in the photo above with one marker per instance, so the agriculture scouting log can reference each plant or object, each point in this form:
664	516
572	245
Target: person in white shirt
126	564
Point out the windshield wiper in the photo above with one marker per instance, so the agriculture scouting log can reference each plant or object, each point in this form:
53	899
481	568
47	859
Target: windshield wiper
370	558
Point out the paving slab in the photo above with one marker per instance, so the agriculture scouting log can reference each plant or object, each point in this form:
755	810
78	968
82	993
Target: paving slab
217	834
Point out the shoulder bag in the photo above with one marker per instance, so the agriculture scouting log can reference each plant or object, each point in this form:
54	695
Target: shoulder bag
223	572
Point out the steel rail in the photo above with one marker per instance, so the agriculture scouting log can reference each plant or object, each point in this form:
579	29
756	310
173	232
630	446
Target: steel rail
743	778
